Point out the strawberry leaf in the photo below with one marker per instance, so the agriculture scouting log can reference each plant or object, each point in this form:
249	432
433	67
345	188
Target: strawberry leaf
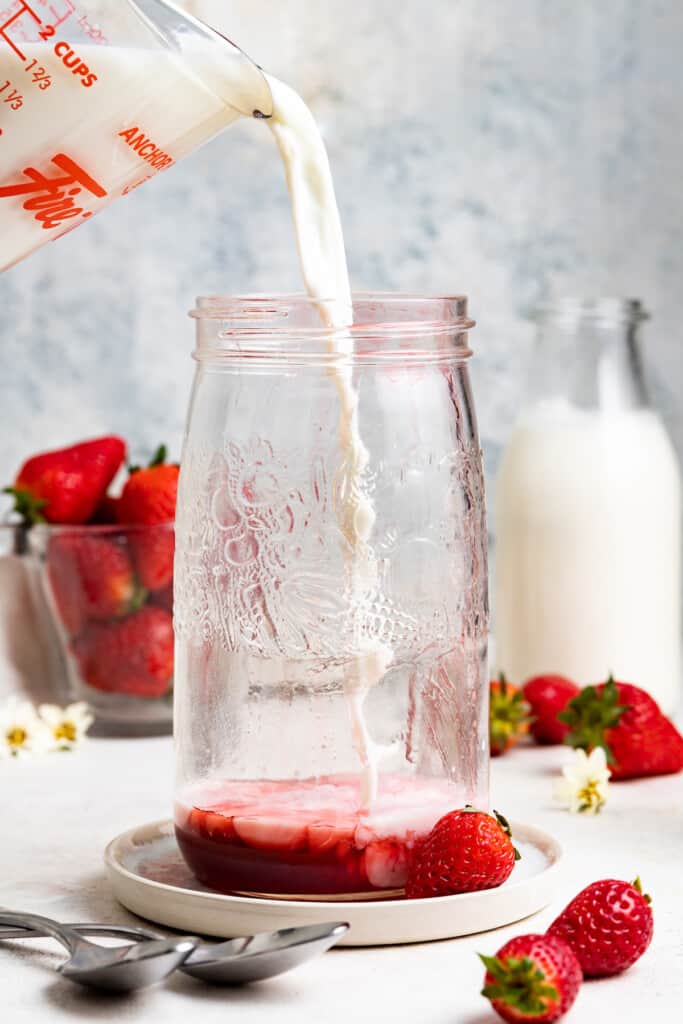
590	714
519	984
26	506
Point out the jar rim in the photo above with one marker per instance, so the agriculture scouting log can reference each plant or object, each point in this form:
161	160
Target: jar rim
386	325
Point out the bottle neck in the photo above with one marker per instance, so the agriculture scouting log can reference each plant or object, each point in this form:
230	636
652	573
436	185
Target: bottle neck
588	354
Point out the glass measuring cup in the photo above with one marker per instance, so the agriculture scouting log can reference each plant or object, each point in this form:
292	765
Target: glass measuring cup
98	96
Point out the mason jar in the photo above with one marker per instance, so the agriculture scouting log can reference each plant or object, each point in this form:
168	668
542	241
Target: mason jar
330	594
588	519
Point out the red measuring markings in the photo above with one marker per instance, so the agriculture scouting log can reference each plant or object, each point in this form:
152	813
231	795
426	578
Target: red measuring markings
52	199
22	18
22	11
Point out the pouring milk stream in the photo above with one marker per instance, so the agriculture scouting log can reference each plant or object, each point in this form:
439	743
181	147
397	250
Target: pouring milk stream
81	125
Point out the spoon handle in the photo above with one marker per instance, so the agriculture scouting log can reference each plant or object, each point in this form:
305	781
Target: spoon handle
70	939
97	930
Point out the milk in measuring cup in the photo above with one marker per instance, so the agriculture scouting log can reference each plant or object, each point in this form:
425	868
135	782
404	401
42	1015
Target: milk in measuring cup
71	143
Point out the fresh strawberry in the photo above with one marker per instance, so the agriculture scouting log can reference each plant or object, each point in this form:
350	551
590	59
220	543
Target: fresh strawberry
149	499
509	716
66	486
91	579
547	696
134	656
608	925
628	724
466	850
532	978
150	494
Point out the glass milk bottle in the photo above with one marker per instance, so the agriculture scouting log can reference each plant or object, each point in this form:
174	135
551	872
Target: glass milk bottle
588	554
331	698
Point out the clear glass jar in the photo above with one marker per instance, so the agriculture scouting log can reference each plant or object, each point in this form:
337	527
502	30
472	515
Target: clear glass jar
588	548
331	700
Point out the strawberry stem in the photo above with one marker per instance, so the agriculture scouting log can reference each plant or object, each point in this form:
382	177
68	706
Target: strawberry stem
26	506
590	714
519	984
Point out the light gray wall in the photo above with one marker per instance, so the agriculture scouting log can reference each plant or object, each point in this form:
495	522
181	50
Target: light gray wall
507	150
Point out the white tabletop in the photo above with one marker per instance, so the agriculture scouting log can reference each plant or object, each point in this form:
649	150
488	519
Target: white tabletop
57	814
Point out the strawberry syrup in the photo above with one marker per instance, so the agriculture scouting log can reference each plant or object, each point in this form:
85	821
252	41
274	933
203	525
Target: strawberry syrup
308	837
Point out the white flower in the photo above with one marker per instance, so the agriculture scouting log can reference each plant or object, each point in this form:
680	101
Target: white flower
67	726
21	731
583	789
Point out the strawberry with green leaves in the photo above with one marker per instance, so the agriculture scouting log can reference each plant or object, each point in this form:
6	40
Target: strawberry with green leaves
149	499
532	978
467	850
509	716
630	727
66	486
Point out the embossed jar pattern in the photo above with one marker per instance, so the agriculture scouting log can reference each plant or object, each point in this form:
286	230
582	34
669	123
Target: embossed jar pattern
296	777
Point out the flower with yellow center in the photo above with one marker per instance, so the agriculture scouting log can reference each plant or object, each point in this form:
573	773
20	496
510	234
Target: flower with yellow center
585	783
21	730
67	726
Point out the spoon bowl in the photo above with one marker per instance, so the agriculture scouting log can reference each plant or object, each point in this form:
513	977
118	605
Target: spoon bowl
234	962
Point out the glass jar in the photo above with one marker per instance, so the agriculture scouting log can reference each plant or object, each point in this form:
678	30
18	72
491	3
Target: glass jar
331	693
588	551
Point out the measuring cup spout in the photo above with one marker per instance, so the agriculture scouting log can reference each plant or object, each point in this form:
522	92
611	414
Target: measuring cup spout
214	58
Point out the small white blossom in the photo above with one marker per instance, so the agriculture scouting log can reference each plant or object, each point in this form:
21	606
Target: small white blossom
22	732
583	788
67	726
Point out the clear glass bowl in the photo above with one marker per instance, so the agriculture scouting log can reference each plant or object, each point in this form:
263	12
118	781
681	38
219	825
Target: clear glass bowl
108	592
331	691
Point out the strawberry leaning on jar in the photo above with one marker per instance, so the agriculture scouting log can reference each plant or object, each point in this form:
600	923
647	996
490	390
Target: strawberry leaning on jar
509	715
467	850
149	499
67	485
628	724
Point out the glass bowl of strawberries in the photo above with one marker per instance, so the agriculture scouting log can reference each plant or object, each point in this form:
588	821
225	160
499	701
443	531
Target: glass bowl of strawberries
103	567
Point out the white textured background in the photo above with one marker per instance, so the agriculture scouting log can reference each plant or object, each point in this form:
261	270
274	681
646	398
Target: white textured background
507	150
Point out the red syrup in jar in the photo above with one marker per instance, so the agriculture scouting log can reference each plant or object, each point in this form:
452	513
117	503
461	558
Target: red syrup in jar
308	837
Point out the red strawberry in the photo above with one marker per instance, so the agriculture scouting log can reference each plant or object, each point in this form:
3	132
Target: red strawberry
466	850
66	486
91	578
134	656
508	716
608	925
532	978
149	498
628	724
548	696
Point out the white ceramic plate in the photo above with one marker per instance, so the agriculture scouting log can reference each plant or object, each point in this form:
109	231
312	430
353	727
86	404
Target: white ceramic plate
149	877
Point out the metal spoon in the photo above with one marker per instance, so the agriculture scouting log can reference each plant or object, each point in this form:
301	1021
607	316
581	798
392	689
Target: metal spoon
121	969
235	962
